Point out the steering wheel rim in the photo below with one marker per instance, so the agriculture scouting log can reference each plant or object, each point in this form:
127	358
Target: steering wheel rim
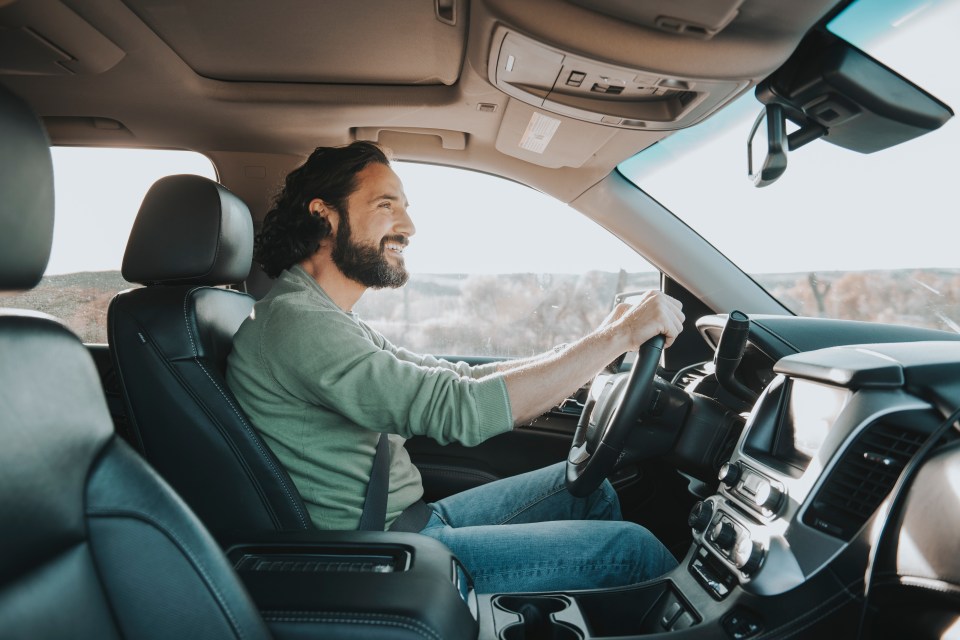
596	448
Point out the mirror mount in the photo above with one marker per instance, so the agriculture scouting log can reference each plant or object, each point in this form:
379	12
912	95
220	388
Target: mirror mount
767	146
766	163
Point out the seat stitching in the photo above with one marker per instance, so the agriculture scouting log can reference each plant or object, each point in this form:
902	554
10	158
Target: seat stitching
255	440
405	622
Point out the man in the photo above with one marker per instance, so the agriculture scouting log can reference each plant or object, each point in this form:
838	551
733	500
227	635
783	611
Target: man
321	386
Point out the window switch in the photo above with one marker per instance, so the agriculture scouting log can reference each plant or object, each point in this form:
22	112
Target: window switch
575	79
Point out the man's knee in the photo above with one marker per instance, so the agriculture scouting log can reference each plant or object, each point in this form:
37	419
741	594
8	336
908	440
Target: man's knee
650	552
605	497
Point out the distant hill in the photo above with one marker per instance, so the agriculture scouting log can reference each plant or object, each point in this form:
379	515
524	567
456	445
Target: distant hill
80	300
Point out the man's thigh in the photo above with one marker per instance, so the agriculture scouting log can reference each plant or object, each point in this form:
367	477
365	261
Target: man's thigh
537	496
555	555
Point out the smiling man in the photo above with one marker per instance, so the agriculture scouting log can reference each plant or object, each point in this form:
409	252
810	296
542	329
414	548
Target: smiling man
323	388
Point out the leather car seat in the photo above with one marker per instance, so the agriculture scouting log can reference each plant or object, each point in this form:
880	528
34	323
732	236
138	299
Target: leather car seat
94	544
169	342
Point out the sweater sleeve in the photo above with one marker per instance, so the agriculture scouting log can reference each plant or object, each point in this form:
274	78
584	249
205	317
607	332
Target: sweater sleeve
325	358
462	368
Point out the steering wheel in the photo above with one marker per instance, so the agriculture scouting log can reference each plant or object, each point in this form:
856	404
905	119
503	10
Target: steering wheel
605	423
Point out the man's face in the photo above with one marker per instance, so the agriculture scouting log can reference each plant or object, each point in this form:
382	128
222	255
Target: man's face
374	231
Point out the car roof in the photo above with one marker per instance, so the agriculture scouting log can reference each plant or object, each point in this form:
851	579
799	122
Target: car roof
256	86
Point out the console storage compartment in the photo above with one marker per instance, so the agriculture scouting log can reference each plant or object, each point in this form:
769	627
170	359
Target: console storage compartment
357	584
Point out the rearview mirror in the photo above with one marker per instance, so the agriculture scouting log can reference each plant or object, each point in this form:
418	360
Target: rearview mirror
767	146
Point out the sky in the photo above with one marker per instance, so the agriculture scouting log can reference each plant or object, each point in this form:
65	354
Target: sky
833	209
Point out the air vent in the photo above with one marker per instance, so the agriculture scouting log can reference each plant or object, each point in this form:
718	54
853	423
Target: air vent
862	479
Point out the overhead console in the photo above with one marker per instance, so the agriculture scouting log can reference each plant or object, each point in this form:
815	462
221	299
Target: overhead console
586	89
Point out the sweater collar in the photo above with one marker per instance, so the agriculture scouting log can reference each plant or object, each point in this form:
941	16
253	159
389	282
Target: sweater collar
298	274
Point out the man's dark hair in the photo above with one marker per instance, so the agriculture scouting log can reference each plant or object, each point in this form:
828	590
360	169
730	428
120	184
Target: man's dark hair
290	232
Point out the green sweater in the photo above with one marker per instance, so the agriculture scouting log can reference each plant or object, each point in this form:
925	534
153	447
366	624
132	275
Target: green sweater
320	385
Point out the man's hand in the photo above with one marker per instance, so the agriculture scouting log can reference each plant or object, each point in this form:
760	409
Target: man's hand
656	313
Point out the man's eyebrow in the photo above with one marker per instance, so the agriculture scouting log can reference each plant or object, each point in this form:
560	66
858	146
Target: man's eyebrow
392	198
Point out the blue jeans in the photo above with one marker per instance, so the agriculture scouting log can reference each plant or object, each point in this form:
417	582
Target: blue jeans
527	533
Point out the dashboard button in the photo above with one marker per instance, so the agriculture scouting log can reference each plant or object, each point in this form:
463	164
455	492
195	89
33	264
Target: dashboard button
740	624
729	473
685	621
767	496
700	516
748	555
673	611
724	535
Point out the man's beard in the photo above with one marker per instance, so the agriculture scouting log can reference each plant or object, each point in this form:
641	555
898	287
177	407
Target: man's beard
368	264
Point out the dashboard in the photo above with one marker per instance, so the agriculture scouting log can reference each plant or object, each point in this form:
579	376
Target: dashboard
836	421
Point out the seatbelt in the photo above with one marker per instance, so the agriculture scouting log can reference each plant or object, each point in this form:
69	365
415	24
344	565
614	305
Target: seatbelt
374	515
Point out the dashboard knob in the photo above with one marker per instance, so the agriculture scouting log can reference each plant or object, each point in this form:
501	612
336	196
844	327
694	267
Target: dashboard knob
724	536
700	516
729	473
748	555
768	497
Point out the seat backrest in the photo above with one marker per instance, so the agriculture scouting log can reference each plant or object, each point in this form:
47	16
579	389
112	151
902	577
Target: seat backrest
94	544
169	342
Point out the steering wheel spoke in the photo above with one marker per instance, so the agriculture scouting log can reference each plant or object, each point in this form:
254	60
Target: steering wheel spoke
595	450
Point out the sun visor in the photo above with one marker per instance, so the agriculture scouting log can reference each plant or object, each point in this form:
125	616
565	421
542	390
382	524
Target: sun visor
298	41
48	38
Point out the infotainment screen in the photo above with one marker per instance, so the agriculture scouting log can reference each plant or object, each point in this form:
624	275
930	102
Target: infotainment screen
810	411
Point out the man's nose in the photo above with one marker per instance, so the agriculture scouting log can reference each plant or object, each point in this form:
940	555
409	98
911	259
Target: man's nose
405	223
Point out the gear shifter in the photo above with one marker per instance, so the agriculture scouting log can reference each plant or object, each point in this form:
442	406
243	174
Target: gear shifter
733	340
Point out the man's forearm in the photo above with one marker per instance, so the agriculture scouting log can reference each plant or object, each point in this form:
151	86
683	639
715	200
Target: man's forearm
517	363
539	383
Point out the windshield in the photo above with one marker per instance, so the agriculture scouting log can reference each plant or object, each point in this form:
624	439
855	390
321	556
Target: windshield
841	234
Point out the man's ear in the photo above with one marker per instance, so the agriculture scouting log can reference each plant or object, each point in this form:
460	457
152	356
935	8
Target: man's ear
320	208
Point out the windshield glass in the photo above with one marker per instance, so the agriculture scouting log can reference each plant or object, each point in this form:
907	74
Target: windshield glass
841	234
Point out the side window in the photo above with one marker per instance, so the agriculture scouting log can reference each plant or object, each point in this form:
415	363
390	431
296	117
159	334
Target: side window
97	195
498	269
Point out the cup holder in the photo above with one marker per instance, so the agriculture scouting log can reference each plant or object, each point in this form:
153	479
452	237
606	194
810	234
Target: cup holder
535	621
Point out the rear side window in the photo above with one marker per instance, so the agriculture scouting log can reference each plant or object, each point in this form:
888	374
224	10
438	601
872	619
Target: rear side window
98	193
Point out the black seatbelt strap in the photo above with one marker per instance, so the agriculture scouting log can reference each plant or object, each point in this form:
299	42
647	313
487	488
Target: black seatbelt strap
374	514
413	519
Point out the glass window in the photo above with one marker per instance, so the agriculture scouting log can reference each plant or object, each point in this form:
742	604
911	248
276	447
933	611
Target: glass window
498	269
841	234
97	194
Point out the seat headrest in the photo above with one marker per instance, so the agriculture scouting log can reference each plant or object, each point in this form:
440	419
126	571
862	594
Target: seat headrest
189	230
26	185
